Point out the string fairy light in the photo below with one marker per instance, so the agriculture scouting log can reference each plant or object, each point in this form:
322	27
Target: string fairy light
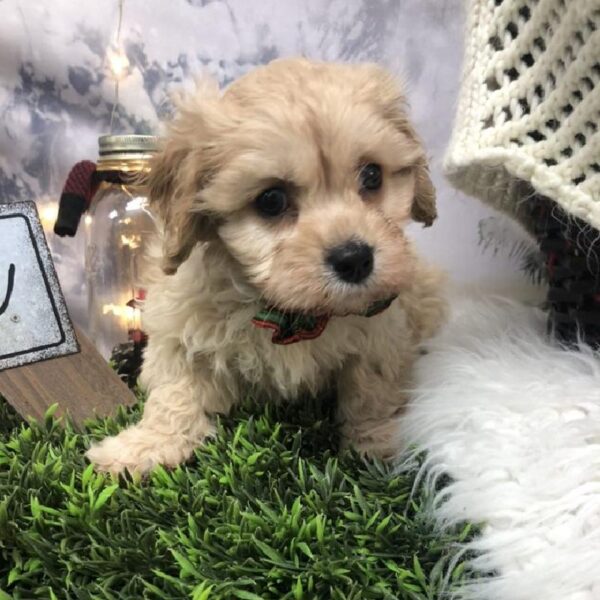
118	63
48	212
128	316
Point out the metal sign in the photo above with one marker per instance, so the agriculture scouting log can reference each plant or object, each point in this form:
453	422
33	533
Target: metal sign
34	322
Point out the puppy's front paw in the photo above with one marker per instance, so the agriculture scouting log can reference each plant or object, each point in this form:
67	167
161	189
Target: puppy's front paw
138	450
380	441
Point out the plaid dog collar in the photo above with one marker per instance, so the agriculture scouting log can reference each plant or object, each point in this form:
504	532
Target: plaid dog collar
291	327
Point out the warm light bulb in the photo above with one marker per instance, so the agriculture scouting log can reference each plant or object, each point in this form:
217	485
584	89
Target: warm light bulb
48	213
132	241
129	317
118	62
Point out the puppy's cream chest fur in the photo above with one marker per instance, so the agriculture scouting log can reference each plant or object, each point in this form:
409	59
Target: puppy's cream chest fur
288	370
199	311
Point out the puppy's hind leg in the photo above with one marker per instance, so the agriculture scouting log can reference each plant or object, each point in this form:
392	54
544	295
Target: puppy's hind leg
175	420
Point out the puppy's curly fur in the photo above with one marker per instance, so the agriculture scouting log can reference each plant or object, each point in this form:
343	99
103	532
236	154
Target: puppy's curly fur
306	128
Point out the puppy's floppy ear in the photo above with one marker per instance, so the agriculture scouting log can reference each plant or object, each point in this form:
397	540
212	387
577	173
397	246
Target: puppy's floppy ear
423	207
386	92
178	173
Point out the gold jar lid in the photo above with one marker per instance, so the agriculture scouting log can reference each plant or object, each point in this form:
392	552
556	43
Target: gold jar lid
126	152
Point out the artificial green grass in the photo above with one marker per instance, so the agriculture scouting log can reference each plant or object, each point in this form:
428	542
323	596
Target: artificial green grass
266	510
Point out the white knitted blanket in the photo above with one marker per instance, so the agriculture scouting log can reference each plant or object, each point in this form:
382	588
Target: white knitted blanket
529	107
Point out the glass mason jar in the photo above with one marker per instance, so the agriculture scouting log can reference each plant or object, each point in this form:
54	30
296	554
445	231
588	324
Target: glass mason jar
118	226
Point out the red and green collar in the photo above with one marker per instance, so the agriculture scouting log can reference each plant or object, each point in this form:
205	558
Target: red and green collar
292	327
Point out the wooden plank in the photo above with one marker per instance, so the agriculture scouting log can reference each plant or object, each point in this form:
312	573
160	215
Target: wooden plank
82	384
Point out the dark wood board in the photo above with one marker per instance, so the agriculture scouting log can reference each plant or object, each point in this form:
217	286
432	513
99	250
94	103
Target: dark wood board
82	384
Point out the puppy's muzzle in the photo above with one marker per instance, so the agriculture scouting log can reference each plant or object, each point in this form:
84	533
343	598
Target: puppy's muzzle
351	261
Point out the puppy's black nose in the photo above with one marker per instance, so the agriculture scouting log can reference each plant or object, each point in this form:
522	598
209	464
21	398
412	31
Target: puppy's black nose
351	261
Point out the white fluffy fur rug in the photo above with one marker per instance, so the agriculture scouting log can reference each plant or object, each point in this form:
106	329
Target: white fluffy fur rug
515	421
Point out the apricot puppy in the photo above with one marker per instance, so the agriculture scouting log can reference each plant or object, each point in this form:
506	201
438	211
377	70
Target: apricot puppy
283	264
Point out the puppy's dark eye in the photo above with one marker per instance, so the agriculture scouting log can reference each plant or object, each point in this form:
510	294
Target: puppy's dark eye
272	202
370	177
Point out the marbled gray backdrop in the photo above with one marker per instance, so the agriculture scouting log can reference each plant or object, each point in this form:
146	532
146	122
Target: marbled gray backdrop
56	92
